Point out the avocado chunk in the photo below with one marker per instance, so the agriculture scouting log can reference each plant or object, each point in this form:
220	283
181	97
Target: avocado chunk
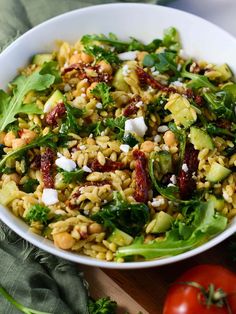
53	100
219	203
39	59
164	162
217	173
120	238
161	223
119	82
181	109
200	139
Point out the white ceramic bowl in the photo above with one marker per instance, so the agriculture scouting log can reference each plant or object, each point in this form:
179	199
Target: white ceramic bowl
200	39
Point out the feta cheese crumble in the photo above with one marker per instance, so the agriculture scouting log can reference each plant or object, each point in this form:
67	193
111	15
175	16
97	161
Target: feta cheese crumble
158	202
49	106
86	169
124	148
136	125
125	70
128	56
82	147
65	163
99	105
185	167
50	196
157	138
173	179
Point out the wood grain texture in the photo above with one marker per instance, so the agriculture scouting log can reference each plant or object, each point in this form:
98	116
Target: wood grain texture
145	289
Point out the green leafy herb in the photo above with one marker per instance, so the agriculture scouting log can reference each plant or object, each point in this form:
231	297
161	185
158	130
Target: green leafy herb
38	213
47	140
117	125
196	228
121	46
181	137
129	139
102	91
73	176
197	80
222	104
30	185
18	305
10	106
70	124
102	306
100	53
52	68
163	62
97	128
171	39
129	218
212	129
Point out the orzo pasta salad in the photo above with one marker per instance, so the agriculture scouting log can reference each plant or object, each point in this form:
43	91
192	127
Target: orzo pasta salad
120	150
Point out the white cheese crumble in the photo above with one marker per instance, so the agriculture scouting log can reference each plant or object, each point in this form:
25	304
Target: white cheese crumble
185	167
162	128
50	196
157	138
177	84
65	163
82	147
158	202
129	55
49	106
165	147
83	95
136	125
99	105
139	104
173	179
124	148
125	70
86	169
67	88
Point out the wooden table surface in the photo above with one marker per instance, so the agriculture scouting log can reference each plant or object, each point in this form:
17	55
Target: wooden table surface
144	290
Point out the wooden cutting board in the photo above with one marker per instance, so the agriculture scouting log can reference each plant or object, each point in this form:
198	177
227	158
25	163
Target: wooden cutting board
144	290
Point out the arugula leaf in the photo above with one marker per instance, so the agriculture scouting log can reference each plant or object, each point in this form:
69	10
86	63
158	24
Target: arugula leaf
117	125
122	46
102	91
38	213
129	218
102	306
194	230
10	106
197	80
100	53
70	123
164	61
52	68
222	104
171	39
72	176
182	138
214	130
47	140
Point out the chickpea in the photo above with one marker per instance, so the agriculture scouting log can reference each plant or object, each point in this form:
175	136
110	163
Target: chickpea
63	240
105	67
170	139
86	58
91	87
9	137
164	204
141	55
147	146
11	177
91	141
76	58
94	228
18	142
2	136
28	135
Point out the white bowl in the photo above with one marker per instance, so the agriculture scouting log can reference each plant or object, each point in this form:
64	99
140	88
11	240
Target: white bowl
200	39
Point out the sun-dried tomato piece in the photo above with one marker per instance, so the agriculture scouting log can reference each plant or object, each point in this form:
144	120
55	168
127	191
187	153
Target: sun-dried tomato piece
141	176
55	114
186	182
109	166
130	109
47	160
36	162
223	123
199	100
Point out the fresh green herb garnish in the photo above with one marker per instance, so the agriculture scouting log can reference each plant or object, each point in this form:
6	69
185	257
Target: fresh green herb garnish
38	213
102	91
163	62
117	125
73	176
100	53
10	106
196	228
102	306
197	80
47	140
181	136
129	218
171	39
212	129
30	185
121	46
70	124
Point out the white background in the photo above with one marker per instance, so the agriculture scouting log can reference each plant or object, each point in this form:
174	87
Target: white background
220	12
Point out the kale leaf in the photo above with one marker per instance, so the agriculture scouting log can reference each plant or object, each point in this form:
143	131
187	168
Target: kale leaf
120	214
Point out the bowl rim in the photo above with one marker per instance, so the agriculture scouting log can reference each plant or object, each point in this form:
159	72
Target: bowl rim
39	241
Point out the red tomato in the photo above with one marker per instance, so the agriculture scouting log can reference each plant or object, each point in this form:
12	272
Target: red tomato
183	298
